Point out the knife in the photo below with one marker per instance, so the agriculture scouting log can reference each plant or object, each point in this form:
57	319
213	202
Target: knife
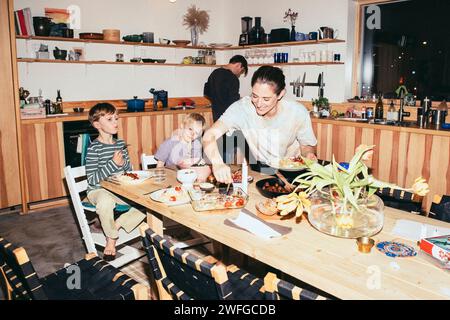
319	81
303	84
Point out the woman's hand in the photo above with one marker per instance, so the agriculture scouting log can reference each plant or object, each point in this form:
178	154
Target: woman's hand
222	173
311	156
118	158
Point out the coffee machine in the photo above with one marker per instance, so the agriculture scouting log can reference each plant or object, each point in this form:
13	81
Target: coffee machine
246	23
160	99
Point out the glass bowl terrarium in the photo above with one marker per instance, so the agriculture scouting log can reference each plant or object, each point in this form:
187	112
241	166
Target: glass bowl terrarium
340	219
340	198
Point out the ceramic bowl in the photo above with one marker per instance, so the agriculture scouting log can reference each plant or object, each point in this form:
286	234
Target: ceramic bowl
186	176
60	54
164	41
206	186
202	172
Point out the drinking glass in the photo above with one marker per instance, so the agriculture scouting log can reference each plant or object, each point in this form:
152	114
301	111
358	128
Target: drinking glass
160	175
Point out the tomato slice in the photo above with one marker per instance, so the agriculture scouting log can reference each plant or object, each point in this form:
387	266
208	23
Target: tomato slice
173	198
240	202
177	188
228	204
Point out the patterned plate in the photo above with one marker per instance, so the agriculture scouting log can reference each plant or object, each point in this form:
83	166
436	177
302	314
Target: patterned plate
396	249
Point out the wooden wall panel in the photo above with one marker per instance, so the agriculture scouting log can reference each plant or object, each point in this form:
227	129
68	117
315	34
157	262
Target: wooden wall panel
10	190
399	157
44	161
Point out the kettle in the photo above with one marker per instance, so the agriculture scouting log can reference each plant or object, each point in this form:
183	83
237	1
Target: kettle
135	105
328	33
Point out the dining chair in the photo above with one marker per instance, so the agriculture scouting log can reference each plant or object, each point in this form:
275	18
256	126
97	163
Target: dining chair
148	161
278	289
181	275
400	199
440	208
77	183
88	279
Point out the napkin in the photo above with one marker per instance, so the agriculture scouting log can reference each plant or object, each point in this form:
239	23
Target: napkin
251	223
415	231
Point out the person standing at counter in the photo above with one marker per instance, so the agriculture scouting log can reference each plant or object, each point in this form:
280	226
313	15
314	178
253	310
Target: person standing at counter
222	88
270	123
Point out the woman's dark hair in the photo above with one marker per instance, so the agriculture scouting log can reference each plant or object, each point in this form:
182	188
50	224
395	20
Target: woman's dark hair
270	75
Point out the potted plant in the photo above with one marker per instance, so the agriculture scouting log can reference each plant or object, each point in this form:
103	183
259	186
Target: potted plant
291	16
197	20
340	198
321	106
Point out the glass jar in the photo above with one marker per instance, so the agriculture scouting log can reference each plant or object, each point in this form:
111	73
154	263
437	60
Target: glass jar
342	220
208	57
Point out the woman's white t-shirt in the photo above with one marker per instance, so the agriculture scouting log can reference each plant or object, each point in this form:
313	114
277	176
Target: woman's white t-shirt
271	139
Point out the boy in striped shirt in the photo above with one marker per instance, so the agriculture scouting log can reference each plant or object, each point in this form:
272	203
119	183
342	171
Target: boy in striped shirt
105	157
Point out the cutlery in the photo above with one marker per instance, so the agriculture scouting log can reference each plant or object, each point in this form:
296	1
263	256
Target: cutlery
113	181
303	84
169	186
287	185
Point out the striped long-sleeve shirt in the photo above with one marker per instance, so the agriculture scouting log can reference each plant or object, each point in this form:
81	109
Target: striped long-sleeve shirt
99	163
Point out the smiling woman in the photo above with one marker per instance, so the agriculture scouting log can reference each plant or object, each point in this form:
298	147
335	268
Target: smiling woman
269	122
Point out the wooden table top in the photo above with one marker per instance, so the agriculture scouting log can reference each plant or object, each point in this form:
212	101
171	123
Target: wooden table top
331	264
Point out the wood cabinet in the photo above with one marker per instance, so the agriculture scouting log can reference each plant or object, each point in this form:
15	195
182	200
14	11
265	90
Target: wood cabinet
43	153
400	155
43	156
10	188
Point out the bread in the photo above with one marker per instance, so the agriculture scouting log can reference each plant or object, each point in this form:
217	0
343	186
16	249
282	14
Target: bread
267	207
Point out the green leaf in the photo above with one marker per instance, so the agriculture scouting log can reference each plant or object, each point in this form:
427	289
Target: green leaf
357	157
351	197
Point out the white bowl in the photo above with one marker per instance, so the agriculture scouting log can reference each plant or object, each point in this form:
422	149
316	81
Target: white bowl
164	41
186	176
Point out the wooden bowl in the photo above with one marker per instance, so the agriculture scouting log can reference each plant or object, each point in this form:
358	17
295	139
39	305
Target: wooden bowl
91	36
181	43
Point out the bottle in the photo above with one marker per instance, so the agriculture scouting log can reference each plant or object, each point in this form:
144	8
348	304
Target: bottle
58	106
363	113
379	109
392	114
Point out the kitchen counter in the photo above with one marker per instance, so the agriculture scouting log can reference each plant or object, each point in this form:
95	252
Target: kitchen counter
402	153
78	116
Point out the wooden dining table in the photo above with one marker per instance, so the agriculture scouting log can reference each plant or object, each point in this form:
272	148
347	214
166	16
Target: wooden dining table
329	263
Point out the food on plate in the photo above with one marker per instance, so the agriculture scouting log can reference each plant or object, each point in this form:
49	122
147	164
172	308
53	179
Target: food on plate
172	195
211	179
215	201
292	162
274	188
237	177
267	207
128	177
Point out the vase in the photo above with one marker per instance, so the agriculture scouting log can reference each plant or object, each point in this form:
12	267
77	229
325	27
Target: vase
342	220
194	35
292	33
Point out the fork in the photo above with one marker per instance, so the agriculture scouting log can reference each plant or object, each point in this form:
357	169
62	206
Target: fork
169	186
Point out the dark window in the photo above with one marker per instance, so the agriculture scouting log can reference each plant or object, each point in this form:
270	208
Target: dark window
412	47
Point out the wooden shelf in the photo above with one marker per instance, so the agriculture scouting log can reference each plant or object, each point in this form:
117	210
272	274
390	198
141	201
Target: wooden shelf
128	43
30	60
296	64
267	45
